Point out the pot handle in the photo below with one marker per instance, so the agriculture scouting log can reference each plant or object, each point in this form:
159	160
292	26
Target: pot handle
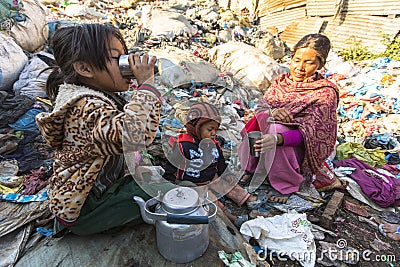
186	219
206	205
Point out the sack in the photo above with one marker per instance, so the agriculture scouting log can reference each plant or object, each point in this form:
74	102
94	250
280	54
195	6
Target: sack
12	61
32	80
167	24
248	64
271	45
179	68
32	33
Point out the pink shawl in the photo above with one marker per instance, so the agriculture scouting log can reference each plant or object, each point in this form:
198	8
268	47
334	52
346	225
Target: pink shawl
313	104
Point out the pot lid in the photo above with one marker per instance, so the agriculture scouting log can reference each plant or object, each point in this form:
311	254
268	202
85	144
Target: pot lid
180	200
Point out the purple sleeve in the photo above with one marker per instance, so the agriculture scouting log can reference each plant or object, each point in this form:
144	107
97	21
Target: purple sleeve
292	138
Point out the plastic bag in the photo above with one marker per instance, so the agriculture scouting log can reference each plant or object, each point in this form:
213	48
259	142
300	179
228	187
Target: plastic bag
32	80
33	32
12	61
257	71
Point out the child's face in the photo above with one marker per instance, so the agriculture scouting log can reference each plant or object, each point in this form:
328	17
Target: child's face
111	81
209	130
304	64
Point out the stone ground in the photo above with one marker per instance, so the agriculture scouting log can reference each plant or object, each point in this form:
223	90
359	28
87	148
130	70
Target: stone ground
130	246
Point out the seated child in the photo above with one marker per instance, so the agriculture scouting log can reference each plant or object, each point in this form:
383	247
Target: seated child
90	189
203	162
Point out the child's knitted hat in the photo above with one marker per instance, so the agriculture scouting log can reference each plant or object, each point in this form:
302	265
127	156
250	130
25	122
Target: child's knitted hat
199	114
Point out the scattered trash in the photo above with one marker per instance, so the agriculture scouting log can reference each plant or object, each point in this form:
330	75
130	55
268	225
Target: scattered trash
204	47
234	259
286	233
390	217
357	209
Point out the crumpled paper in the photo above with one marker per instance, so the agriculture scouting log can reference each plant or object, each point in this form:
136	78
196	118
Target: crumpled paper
289	234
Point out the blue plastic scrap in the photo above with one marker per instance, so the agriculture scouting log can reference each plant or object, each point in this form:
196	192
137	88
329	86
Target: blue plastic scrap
18	198
44	231
27	121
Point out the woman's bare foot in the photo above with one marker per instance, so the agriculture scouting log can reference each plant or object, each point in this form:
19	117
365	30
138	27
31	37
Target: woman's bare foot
392	230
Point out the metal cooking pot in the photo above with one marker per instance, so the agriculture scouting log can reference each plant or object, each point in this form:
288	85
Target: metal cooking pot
181	222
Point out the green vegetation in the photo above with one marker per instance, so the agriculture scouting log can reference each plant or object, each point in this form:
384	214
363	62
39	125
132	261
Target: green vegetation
358	51
393	48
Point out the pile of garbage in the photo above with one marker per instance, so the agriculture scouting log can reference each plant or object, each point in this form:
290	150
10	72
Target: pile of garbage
206	54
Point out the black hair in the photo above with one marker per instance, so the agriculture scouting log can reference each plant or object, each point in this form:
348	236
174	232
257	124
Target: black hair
319	42
81	42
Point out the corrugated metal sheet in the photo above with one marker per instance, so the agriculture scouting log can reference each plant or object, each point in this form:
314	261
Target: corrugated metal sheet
262	8
372	7
368	29
352	7
272	6
321	7
297	29
352	20
282	19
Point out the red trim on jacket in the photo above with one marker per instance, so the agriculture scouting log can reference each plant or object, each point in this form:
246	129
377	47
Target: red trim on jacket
68	224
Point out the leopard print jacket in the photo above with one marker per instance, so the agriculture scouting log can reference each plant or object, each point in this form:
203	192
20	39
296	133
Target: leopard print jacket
85	129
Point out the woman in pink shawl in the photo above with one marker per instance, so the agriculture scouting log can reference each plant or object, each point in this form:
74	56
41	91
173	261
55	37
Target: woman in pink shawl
297	117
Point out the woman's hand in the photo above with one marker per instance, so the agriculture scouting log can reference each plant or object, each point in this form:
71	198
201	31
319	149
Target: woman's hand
142	67
282	114
267	142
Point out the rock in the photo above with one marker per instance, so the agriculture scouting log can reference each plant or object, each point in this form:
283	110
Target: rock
227	16
272	46
379	245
